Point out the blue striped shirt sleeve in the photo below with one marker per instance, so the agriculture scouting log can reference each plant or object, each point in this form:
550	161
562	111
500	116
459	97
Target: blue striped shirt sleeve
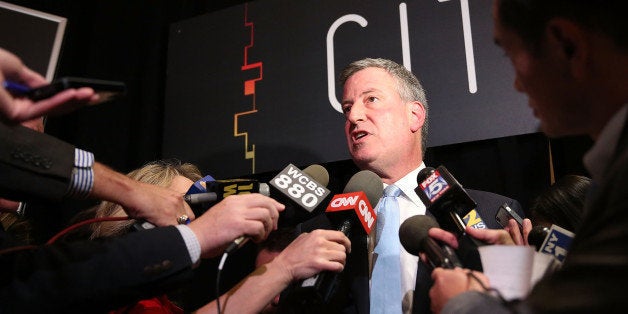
82	180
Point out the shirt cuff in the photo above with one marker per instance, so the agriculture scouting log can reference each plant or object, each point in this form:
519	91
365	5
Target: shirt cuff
82	180
191	242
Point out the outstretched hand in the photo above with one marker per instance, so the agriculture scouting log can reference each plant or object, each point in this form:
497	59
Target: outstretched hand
17	109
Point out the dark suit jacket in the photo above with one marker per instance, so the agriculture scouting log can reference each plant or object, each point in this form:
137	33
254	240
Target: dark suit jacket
33	164
92	276
81	277
356	277
594	275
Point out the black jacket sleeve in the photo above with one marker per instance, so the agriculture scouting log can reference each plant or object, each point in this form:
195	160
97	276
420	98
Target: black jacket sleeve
33	164
93	276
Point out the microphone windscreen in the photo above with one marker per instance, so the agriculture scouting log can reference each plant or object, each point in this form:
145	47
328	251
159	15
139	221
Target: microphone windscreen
318	173
414	230
369	183
537	236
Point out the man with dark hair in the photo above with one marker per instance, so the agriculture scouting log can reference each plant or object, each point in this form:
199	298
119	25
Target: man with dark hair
571	59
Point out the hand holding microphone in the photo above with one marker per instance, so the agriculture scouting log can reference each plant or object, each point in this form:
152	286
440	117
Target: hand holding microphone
313	252
352	214
251	215
414	236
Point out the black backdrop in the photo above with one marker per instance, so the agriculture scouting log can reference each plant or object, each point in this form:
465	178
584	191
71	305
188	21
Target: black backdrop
127	40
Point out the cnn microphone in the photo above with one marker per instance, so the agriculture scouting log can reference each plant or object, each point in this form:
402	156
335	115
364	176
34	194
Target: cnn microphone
413	235
352	214
447	200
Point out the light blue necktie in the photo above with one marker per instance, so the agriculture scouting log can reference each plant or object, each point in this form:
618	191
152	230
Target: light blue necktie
386	277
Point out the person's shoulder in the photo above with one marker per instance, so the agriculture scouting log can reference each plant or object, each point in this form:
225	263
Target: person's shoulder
488	204
477	195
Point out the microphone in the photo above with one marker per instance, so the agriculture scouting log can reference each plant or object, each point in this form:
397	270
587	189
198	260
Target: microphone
217	190
345	212
413	235
447	200
557	242
200	198
300	187
305	188
203	194
537	236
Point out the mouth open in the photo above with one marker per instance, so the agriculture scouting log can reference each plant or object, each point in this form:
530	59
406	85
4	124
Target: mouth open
359	135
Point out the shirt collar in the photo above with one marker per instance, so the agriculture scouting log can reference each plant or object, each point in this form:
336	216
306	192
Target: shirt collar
599	157
408	183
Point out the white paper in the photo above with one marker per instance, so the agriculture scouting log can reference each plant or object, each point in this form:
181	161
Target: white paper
508	268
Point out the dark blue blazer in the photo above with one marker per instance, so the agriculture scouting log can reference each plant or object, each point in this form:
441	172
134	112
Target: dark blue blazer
358	298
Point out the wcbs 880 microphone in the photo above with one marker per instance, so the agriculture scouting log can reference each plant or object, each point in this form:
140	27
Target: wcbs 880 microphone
291	185
306	188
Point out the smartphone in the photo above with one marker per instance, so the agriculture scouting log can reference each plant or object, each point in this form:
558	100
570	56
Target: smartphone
108	90
505	213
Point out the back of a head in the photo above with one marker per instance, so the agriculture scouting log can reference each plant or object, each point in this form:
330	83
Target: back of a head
528	18
160	173
562	203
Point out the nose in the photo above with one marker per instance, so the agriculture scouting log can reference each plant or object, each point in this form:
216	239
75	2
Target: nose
357	113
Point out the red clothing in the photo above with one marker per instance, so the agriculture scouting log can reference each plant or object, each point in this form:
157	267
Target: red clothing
156	305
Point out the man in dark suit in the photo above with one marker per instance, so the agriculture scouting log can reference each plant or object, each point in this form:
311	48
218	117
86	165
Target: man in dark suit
386	113
96	276
571	59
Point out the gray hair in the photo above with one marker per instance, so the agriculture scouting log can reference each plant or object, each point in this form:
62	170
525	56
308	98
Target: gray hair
408	86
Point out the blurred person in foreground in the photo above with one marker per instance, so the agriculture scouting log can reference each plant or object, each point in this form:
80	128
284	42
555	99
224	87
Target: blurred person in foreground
571	59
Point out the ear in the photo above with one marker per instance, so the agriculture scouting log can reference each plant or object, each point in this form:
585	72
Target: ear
417	115
570	42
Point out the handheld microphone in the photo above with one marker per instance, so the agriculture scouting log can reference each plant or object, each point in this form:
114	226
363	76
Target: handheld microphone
200	198
447	200
306	188
301	187
346	212
537	236
413	235
557	242
217	190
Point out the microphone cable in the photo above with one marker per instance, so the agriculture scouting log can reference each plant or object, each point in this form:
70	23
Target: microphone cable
62	233
498	294
218	273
